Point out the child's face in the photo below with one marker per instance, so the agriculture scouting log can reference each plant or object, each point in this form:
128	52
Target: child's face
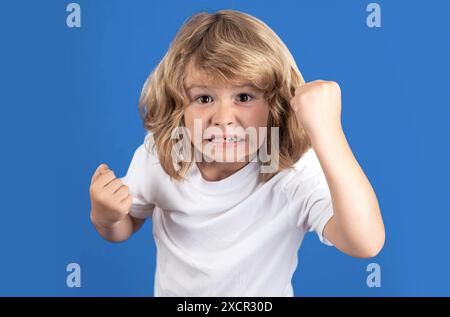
225	110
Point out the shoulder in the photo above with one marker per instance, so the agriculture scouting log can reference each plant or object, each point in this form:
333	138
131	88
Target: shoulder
308	166
308	163
145	154
144	161
305	172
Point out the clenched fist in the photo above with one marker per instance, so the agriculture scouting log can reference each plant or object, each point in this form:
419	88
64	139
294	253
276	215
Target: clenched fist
317	106
110	198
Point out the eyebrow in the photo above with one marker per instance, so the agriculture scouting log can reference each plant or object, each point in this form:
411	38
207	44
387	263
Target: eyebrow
196	86
247	85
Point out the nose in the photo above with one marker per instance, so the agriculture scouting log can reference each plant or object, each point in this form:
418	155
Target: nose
223	116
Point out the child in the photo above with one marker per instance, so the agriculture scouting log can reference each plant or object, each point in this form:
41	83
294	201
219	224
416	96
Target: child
225	222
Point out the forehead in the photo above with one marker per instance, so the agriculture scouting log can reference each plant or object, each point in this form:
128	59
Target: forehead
196	77
199	78
205	81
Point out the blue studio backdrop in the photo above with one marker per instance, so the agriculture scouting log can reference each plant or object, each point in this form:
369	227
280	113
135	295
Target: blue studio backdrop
68	98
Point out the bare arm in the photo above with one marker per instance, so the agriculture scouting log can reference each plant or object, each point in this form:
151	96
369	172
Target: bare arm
356	227
119	231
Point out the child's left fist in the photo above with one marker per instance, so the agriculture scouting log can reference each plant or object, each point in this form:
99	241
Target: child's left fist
317	105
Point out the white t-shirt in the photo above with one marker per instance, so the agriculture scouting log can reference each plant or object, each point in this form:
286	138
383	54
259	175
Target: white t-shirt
233	237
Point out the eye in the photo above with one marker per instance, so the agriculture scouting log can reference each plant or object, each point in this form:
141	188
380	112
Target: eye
244	97
203	99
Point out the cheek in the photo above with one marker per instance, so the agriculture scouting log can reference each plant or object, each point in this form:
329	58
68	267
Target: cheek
190	115
191	119
188	121
257	117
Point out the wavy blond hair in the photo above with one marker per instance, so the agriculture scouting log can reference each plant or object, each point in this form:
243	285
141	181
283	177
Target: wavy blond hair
232	47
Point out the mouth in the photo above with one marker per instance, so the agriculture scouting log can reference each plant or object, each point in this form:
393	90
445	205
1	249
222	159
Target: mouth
225	140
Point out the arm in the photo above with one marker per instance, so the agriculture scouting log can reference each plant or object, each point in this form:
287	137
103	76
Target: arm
119	231
356	227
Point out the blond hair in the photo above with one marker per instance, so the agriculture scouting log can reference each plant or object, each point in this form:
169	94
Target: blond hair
231	46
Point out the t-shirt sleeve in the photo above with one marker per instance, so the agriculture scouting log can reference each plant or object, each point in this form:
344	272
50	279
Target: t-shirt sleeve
310	196
138	178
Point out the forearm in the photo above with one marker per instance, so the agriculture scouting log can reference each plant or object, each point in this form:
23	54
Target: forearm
356	211
117	232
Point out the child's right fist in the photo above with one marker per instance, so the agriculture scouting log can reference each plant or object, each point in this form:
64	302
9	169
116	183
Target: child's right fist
110	198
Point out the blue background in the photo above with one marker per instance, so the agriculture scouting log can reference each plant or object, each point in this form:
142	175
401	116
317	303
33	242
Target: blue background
69	102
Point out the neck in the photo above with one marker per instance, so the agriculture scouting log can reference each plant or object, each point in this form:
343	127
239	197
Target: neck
216	171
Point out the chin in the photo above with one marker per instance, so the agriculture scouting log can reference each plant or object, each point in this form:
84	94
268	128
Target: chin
222	158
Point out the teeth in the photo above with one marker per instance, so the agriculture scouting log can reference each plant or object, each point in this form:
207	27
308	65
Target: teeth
224	140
